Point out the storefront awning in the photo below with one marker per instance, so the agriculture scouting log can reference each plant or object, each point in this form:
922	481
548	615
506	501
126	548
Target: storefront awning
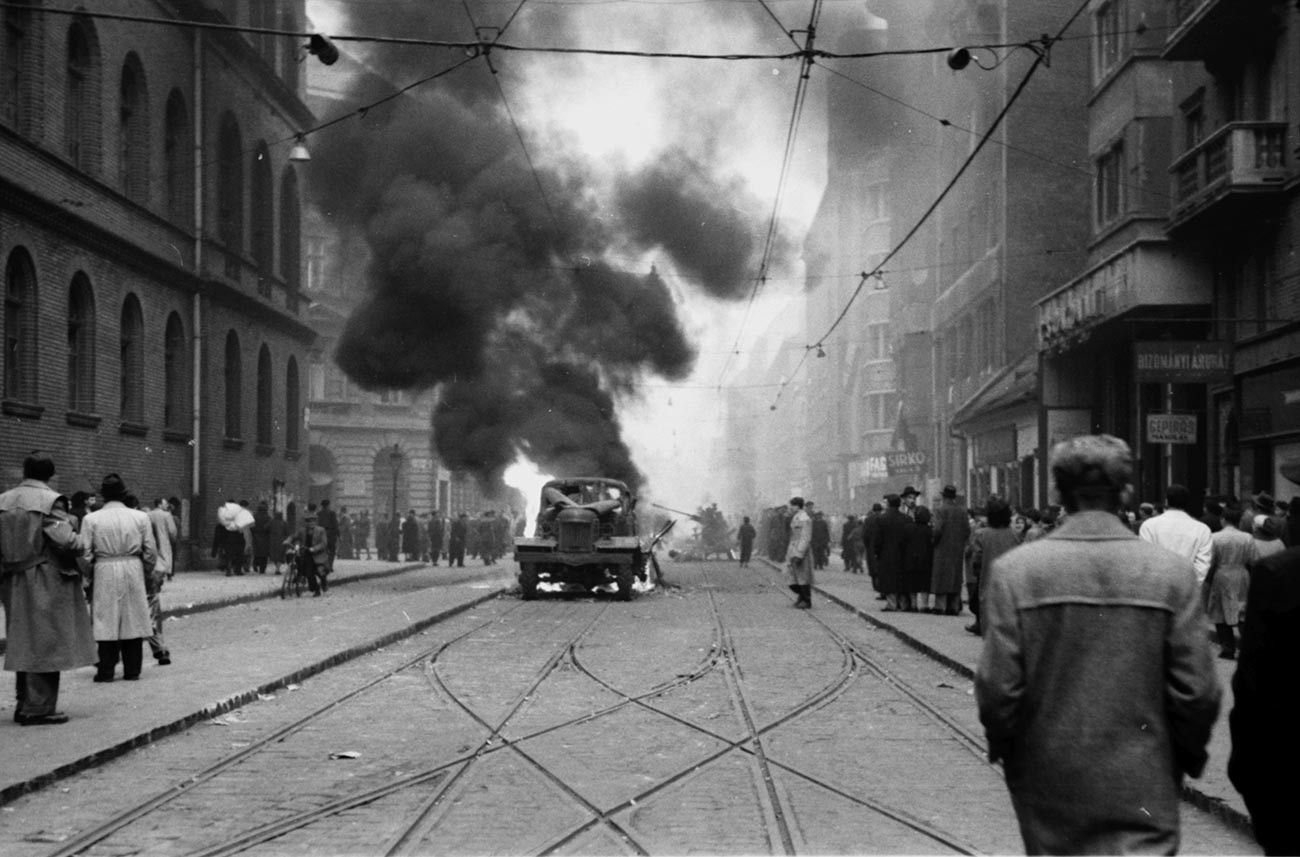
1015	384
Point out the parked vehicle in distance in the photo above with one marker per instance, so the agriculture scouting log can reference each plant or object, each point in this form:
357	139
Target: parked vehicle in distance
585	540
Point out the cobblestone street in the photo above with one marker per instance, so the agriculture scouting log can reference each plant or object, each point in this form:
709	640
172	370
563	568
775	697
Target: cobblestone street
707	717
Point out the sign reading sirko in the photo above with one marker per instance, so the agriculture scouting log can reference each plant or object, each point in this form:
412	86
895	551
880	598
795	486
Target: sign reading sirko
1182	362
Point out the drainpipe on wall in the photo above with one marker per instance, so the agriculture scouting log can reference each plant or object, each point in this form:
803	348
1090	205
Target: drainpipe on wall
196	321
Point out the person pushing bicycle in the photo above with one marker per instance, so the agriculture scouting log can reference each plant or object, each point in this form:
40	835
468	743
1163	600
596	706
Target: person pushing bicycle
312	536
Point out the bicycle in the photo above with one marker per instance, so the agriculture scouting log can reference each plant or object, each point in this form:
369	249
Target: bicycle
294	579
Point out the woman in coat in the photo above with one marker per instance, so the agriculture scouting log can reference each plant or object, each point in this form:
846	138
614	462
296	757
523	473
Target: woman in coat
119	549
1231	552
261	538
918	559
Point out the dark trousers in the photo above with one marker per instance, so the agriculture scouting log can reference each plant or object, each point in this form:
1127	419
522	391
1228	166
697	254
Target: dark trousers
132	652
38	693
746	551
1272	818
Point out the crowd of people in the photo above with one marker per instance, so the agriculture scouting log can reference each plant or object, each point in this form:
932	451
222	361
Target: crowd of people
1095	684
79	583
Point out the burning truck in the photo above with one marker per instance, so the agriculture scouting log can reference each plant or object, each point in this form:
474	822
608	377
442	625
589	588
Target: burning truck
585	540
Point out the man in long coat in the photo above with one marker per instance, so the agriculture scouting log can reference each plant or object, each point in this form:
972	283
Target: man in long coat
1096	685
164	531
890	534
800	562
118	543
459	535
951	532
47	622
411	536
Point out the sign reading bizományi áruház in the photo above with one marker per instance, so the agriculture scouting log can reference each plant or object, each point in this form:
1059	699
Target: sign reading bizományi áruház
1182	362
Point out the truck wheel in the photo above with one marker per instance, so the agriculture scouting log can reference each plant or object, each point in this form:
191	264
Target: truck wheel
528	581
626	577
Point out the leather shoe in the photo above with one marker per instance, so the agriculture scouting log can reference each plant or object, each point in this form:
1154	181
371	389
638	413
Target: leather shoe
41	719
103	678
164	661
974	629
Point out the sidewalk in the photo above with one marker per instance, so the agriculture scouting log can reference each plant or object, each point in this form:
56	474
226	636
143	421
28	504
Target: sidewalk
221	660
946	639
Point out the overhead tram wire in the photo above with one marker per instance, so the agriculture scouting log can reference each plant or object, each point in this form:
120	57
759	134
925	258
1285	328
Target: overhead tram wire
485	52
496	45
1040	58
787	158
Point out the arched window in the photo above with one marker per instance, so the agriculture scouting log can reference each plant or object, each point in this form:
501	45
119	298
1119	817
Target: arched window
79	115
133	131
264	397
292	407
131	367
178	161
81	346
234	387
230	186
20	327
290	231
17	98
176	375
263	216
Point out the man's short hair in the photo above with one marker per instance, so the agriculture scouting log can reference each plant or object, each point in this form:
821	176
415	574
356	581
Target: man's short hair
1178	497
998	512
1095	468
38	466
796	502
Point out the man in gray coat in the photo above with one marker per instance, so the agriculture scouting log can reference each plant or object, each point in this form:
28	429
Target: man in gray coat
1096	686
47	622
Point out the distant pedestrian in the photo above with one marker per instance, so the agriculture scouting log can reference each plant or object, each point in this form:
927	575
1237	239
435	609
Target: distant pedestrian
47	622
799	562
821	540
951	533
1176	530
261	532
411	536
745	536
118	545
363	533
328	520
1232	552
456	544
918	559
887	555
1265	741
987	544
278	531
437	531
870	536
347	537
160	518
1096	684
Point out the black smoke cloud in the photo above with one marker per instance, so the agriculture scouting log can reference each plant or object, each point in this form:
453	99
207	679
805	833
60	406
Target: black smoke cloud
488	275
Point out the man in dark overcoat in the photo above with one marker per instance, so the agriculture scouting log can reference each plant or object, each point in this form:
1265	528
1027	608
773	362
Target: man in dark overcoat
47	620
887	559
951	532
411	536
437	531
459	536
328	520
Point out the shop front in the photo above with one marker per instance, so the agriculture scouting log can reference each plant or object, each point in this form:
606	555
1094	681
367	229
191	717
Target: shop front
1124	350
1268	431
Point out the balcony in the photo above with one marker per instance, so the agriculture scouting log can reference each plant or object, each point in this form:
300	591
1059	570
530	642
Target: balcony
1204	29
1240	162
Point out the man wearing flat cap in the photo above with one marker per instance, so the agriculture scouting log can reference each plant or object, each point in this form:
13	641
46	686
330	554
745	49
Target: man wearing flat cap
47	622
1096	685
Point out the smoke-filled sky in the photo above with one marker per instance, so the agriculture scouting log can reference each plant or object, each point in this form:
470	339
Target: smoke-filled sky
575	293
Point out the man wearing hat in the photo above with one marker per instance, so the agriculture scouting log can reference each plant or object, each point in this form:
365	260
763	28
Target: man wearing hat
799	562
119	547
47	623
951	532
909	496
313	537
887	554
